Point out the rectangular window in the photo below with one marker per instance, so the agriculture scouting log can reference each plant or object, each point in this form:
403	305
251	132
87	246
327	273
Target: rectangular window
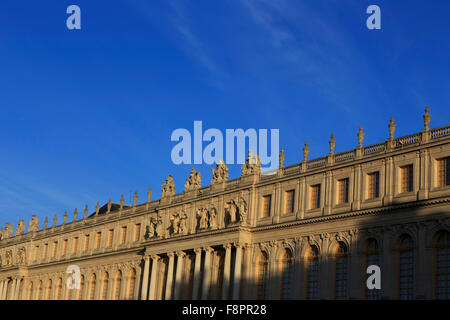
98	239
64	247
289	201
315	196
407	178
110	237
36	252
75	245
373	185
45	251
137	232
343	191
86	243
443	168
266	206
123	235
55	248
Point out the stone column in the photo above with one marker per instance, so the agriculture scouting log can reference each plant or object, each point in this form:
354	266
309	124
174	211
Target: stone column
389	279
328	192
422	270
424	185
226	272
144	289
237	272
198	261
13	287
389	189
207	273
356	273
111	281
98	286
124	283
179	273
153	279
5	289
16	290
2	285
169	283
357	187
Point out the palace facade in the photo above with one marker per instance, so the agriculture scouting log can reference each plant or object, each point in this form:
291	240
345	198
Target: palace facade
308	231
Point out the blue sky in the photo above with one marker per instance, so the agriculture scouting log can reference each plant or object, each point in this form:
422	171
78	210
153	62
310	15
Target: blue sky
87	115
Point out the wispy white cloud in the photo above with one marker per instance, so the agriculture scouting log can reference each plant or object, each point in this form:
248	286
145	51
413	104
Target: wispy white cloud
316	47
192	43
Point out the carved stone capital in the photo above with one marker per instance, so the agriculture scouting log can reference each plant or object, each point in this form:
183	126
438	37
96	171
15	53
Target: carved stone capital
208	249
155	257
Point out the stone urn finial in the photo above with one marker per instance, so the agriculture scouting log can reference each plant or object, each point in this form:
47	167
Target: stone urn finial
332	144
281	158
360	137
305	151
392	126
122	201
426	119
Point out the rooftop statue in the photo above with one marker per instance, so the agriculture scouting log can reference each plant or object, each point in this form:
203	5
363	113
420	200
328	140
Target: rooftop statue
20	228
194	181
252	165
220	174
168	187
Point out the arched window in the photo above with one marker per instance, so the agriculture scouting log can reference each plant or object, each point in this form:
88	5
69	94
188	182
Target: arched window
48	290
442	249
105	281
58	289
372	254
406	267
117	284
92	284
286	274
39	291
341	262
263	263
131	284
312	273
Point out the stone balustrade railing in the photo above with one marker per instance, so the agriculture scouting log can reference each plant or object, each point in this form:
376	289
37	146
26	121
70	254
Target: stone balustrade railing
374	148
317	163
440	132
408	140
345	156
